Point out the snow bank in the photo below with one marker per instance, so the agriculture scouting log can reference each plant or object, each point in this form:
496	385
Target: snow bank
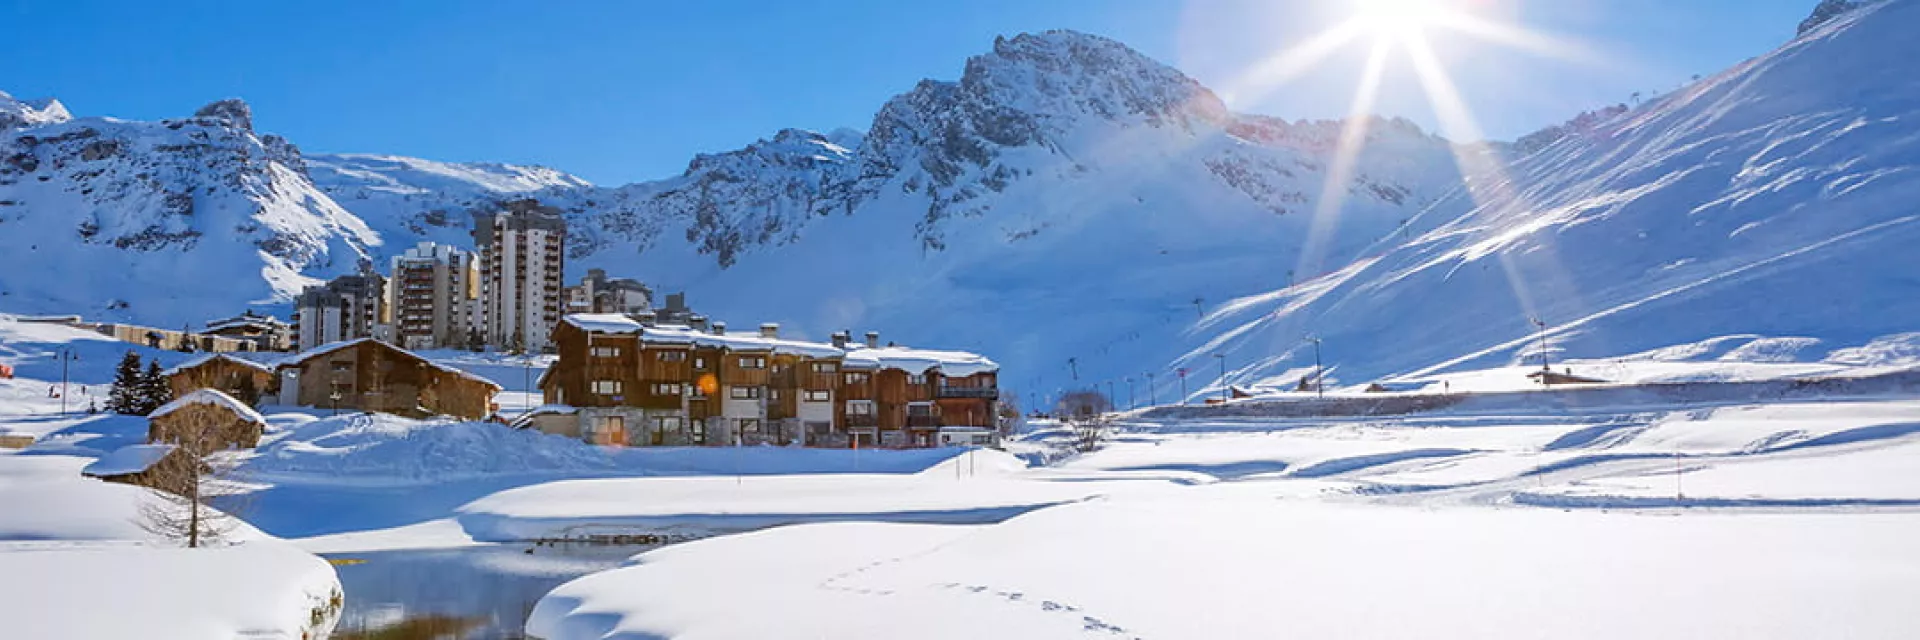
266	590
705	505
1212	565
381	448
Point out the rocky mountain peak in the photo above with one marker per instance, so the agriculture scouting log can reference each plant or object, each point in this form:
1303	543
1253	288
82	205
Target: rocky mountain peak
26	113
1070	73
1826	11
233	110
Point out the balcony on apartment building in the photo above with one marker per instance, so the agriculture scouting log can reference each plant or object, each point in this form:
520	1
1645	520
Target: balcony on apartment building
967	392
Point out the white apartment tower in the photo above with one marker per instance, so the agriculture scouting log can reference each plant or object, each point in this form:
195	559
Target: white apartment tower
434	295
346	308
522	260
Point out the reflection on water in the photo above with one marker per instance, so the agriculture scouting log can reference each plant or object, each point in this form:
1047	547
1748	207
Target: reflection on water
470	593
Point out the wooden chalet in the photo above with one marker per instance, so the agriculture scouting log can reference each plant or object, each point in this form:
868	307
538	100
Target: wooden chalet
236	377
369	375
206	420
163	467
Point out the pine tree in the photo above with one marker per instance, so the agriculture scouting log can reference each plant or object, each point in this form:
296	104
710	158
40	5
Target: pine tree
153	388
124	396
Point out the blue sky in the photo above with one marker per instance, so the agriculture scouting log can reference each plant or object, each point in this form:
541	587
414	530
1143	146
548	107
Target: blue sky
625	91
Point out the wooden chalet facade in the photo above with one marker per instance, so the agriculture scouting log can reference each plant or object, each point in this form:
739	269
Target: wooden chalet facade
638	384
369	375
231	375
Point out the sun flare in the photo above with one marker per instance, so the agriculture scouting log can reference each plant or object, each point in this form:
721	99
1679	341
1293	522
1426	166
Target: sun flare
1397	19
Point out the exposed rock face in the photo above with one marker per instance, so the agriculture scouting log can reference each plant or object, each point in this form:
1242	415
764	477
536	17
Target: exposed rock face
232	110
1826	11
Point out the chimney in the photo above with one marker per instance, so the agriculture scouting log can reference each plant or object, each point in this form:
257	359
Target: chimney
839	339
769	329
719	328
697	323
873	339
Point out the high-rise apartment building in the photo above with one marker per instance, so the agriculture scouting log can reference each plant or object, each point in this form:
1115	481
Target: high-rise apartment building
434	295
346	308
522	260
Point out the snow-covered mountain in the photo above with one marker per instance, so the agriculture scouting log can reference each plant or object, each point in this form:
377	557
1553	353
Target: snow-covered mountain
1770	212
169	221
1065	197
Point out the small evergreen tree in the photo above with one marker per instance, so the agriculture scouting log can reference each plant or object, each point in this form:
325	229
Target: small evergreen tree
153	388
124	396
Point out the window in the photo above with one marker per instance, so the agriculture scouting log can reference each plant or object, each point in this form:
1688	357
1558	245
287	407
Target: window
606	352
342	366
820	428
666	389
606	387
919	409
743	393
749	425
699	428
666	423
700	363
753	362
856	378
825	367
917	379
671	356
860	408
819	396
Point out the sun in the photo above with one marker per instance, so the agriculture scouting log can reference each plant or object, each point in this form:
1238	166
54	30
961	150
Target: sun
1398	20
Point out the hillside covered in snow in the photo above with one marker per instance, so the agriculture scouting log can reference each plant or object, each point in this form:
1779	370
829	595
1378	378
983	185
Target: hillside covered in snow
1767	213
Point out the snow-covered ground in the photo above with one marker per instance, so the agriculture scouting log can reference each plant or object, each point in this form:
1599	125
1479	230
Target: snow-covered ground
1745	519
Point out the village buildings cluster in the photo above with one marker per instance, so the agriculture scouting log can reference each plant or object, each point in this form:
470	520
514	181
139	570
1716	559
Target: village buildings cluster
623	371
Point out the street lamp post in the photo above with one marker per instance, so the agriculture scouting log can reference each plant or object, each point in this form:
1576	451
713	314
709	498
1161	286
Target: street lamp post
66	355
1223	376
1111	404
1544	368
1182	372
1319	373
1130	403
1153	399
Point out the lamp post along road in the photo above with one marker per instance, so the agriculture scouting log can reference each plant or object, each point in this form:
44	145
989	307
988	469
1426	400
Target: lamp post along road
1153	398
1319	373
1223	376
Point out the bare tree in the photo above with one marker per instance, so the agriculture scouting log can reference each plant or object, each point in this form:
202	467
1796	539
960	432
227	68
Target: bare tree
188	481
1089	431
1082	404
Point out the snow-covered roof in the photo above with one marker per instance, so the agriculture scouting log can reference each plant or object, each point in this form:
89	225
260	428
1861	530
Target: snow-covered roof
296	359
542	410
128	459
205	358
263	322
958	364
213	397
953	363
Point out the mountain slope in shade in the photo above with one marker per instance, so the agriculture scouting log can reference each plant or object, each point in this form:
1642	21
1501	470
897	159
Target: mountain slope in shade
1768	212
